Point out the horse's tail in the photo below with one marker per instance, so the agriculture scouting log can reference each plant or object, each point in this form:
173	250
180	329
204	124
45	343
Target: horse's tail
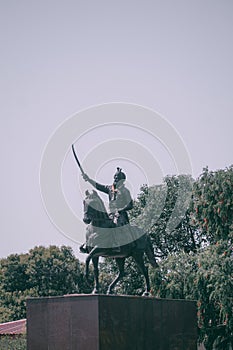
150	253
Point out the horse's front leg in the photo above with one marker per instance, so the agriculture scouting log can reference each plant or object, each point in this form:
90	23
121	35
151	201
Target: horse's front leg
96	275
88	259
121	265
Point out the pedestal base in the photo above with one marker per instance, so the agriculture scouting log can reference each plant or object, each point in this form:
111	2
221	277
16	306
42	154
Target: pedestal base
101	322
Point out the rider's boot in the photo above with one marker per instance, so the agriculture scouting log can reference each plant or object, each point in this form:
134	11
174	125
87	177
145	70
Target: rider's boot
83	248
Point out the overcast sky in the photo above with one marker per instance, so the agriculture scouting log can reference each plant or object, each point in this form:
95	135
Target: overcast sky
59	57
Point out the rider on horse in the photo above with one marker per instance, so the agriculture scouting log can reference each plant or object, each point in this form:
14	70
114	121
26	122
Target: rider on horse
120	200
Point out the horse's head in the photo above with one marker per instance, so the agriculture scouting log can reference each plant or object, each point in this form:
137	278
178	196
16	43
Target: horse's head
94	208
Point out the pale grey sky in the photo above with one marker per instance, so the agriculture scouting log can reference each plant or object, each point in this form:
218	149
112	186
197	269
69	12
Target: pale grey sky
58	57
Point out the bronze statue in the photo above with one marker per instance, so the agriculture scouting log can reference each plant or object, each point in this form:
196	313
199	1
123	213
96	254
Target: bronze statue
111	235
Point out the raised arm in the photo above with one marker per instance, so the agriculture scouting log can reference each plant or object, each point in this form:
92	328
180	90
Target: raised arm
95	184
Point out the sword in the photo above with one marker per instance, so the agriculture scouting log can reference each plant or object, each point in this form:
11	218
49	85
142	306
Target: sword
78	162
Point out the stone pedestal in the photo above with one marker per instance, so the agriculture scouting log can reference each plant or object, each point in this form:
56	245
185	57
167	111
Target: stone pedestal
102	322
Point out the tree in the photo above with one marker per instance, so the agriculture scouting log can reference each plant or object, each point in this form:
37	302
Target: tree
41	272
205	274
214	283
213	212
163	212
213	204
13	272
176	278
207	277
53	271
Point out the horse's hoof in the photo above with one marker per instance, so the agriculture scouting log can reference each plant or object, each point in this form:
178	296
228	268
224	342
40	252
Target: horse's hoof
146	294
95	291
109	292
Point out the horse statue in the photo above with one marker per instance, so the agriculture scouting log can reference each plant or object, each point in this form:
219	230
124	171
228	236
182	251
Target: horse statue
104	239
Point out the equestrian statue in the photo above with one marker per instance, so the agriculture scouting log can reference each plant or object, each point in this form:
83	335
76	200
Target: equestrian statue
109	234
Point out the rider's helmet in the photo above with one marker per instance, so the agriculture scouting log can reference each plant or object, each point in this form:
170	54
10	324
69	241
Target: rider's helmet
119	175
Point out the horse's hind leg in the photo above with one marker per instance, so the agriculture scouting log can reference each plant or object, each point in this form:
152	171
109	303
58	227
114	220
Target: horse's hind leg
121	264
141	265
96	275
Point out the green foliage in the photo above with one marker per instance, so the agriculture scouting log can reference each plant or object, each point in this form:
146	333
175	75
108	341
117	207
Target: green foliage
163	212
213	204
214	283
213	213
176	278
13	343
53	271
41	272
207	277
